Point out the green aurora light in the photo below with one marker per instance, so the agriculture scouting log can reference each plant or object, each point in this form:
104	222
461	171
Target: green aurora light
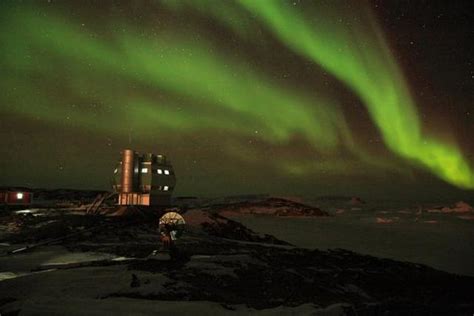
357	54
184	83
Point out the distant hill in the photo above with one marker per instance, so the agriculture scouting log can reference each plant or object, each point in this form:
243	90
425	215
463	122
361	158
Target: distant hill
268	206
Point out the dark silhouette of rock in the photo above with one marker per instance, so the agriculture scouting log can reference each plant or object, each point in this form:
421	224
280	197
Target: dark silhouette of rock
226	228
356	201
135	281
217	225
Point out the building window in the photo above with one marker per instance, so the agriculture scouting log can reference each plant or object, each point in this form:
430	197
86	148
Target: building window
19	196
167	172
144	170
165	188
159	171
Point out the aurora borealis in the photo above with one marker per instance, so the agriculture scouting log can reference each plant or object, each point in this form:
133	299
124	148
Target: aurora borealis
310	97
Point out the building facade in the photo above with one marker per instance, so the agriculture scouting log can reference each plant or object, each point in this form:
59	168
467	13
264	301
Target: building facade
144	179
16	196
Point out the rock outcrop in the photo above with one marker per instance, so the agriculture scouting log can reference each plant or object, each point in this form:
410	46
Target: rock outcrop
269	206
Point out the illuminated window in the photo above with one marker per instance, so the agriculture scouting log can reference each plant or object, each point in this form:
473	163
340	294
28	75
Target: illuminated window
165	188
19	196
144	170
167	172
159	171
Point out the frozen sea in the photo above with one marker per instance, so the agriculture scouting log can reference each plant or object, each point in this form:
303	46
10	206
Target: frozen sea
444	241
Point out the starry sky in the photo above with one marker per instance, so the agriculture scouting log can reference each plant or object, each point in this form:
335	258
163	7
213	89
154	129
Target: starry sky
308	98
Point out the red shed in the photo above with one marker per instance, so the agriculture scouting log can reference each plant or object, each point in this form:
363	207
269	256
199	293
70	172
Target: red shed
16	196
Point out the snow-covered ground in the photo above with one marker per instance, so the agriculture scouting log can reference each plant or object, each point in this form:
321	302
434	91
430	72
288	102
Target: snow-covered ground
105	266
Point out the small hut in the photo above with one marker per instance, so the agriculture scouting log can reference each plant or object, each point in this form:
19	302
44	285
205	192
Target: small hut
15	196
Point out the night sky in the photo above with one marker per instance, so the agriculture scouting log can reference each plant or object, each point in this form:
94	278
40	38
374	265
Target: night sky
374	99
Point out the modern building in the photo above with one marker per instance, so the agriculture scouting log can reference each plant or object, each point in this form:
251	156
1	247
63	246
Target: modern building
144	179
16	196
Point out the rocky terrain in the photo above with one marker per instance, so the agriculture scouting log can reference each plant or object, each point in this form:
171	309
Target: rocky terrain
105	266
268	206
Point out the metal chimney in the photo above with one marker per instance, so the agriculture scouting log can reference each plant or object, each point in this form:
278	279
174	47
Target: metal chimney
128	163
